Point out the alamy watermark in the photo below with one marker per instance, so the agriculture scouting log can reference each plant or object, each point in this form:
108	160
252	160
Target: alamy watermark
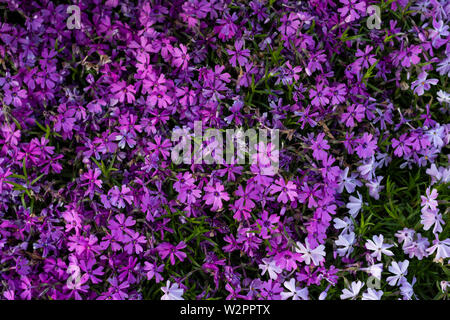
227	146
374	19
74	20
74	279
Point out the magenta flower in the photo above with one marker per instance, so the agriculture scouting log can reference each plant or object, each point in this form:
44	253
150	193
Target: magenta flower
226	27
118	290
366	146
167	249
410	56
352	9
319	96
65	120
240	55
4	185
153	271
354	112
123	92
180	57
160	147
120	224
288	191
120	196
189	195
91	181
215	195
133	241
246	197
267	224
402	145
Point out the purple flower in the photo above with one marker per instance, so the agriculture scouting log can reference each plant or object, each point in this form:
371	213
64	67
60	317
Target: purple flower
353	291
240	55
366	146
423	84
352	9
215	195
91	181
167	249
410	56
319	96
133	241
288	191
364	58
319	147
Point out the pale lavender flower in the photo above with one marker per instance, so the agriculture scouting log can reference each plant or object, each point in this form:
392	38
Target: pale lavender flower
367	169
434	173
375	187
444	67
405	235
400	270
417	248
442	249
423	84
372	294
172	291
324	293
443	97
353	291
374	270
406	289
271	267
378	247
349	183
436	136
295	292
315	255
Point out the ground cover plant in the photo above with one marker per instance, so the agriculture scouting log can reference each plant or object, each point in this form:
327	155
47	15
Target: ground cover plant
92	205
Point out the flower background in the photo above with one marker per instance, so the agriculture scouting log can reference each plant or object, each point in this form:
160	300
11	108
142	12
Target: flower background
92	206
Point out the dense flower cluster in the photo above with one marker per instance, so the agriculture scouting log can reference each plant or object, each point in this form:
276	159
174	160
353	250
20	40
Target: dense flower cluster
93	207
